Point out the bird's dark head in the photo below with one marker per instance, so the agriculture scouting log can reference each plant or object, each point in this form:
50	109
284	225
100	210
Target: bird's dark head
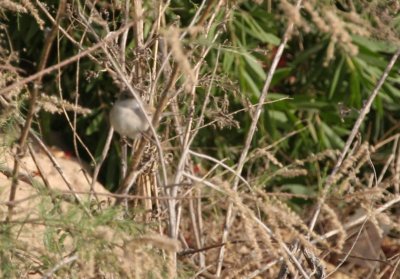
125	94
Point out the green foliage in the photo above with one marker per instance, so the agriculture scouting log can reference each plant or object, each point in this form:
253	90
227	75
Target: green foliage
314	86
65	229
335	56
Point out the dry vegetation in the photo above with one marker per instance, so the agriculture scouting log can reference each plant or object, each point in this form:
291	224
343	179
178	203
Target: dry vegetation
180	210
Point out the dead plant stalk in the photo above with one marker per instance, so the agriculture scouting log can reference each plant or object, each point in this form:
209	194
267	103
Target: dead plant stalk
230	214
363	113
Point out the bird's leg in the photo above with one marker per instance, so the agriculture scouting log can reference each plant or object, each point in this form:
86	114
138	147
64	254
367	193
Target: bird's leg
124	156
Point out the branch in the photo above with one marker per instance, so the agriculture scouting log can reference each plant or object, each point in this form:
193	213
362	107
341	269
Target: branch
363	113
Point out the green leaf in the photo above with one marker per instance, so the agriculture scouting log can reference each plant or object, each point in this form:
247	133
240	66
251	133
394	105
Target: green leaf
255	30
281	74
393	91
254	65
374	45
278	116
250	82
355	92
335	79
312	130
307	54
331	136
228	62
298	189
95	124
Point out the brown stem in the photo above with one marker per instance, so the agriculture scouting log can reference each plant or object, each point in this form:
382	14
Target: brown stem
21	148
128	180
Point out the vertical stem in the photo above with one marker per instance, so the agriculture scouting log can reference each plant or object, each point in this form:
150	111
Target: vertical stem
230	215
21	148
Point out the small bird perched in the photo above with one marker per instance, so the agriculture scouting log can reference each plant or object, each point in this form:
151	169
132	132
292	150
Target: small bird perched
127	118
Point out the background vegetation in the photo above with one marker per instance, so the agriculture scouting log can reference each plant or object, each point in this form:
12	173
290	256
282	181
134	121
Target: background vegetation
263	169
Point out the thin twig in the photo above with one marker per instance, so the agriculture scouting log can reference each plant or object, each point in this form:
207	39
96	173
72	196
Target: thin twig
24	177
21	148
351	248
254	218
395	268
230	215
59	170
124	37
360	219
138	27
187	139
363	113
220	163
195	211
71	39
130	178
59	265
40	170
101	160
72	125
66	62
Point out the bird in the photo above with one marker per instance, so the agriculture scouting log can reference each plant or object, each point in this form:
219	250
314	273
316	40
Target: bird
127	118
